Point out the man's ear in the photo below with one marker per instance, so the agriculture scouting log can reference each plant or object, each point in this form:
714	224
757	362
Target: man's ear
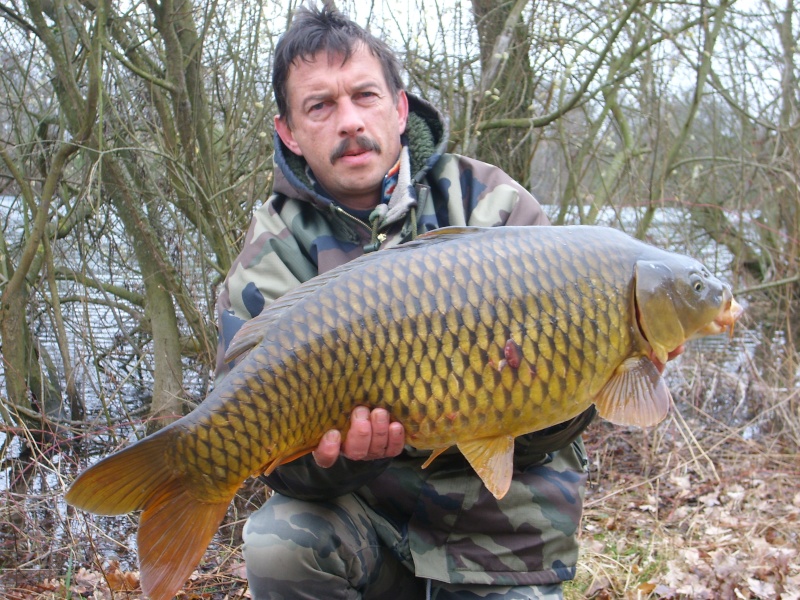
285	133
402	110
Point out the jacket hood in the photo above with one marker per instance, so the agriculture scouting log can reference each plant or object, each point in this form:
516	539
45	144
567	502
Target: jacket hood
426	132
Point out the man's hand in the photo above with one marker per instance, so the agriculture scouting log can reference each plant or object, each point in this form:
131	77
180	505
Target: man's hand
372	435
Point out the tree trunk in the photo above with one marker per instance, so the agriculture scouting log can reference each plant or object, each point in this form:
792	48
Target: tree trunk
13	333
168	395
506	88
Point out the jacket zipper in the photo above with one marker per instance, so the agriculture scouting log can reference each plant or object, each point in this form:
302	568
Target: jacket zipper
341	212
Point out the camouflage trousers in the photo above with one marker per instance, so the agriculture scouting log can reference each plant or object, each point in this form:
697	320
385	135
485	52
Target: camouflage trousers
297	550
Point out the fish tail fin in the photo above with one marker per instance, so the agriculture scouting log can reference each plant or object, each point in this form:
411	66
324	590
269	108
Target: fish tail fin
174	533
174	529
126	480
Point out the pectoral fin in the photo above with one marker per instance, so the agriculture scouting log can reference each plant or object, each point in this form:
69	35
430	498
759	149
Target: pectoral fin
635	395
493	461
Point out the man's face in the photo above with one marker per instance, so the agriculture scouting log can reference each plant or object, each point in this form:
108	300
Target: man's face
346	124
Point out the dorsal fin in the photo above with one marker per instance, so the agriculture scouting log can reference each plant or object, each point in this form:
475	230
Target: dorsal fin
444	233
251	333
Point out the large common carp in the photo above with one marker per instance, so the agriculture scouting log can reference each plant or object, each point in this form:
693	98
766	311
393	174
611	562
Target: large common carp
468	336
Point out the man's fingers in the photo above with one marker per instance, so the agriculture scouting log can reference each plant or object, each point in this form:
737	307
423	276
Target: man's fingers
397	439
372	435
379	419
674	354
357	442
388	438
677	352
328	449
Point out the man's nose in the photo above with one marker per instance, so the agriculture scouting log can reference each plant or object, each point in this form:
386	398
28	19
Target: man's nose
351	121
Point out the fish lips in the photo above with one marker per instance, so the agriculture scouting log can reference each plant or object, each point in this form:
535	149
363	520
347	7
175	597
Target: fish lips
725	320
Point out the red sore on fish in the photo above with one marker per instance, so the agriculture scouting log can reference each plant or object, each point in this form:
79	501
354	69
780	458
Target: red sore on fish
512	353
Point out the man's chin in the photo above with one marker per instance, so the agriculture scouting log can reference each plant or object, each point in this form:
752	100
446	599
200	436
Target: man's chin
357	192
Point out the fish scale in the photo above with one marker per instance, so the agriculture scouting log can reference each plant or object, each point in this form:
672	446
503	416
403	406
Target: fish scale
344	334
468	337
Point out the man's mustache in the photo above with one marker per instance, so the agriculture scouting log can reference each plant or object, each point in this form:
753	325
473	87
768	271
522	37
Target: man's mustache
362	142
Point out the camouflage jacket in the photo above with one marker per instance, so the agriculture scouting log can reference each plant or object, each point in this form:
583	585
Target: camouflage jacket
441	520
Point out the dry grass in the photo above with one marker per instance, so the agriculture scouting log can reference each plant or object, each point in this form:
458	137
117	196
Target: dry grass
707	505
671	521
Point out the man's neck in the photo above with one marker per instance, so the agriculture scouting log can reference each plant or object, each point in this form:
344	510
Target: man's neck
359	204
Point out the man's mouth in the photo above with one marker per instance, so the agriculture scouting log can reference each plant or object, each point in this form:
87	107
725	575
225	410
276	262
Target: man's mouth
355	147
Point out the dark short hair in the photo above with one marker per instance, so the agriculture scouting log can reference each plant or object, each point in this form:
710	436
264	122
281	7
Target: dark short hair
314	30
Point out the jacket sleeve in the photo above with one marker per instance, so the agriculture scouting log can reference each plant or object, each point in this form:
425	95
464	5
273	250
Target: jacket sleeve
305	480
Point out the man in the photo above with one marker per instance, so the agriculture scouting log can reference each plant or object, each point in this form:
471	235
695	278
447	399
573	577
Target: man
360	166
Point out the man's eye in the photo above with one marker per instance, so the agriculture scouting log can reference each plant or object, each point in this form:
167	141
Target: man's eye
317	106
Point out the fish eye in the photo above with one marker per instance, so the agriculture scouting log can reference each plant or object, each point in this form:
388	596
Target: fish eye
698	286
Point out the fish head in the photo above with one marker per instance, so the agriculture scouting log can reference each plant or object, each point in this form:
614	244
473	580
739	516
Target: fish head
677	299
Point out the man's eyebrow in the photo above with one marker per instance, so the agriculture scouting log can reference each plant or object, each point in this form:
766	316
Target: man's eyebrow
370	83
319	96
315	97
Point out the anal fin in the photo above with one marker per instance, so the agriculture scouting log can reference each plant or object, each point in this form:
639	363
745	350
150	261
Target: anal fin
635	395
493	461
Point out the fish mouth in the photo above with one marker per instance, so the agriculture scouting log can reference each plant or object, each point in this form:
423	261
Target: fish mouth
725	320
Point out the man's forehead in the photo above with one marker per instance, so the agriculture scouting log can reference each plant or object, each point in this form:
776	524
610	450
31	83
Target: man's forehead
331	58
320	73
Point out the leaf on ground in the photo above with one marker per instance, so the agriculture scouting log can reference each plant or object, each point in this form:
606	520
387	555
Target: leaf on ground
119	580
761	589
